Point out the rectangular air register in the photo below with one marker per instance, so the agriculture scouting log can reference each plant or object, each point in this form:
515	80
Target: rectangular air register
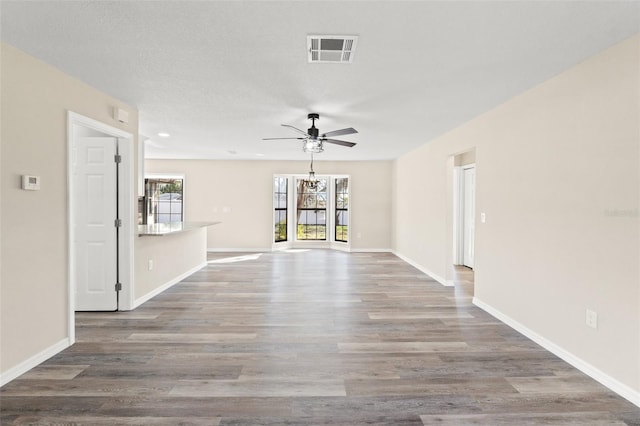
331	49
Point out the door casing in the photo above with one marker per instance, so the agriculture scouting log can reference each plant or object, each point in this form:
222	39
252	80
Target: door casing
469	209
79	126
459	213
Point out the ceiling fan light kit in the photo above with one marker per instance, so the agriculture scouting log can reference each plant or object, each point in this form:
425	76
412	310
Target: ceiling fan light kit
313	141
312	146
311	182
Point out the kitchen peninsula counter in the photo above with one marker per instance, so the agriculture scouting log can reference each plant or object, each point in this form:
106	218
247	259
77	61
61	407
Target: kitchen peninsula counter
161	229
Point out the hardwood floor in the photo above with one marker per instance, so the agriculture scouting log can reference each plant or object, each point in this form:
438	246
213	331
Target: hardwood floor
307	338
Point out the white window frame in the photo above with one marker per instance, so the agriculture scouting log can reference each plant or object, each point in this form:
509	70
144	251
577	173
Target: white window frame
292	234
170	176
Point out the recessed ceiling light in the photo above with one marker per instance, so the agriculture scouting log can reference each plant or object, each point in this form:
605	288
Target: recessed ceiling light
164	134
259	155
232	152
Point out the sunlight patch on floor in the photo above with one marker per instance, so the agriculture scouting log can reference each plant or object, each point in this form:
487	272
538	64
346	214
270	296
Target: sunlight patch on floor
235	259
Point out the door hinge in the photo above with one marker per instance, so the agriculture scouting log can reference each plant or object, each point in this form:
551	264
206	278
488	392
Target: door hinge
118	286
117	158
117	223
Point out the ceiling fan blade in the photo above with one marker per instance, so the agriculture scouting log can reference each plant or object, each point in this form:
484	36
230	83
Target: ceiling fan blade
296	129
340	132
275	139
339	142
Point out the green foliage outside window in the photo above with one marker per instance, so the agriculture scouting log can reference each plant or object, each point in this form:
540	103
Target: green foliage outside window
312	232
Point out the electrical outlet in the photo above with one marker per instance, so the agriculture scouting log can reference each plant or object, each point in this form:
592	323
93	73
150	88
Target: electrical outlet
150	264
591	319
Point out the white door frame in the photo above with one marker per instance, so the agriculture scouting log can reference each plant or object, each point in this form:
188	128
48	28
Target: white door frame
76	124
469	223
458	212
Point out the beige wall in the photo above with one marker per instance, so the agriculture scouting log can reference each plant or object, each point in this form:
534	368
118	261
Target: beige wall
558	179
35	100
239	194
172	256
557	175
465	158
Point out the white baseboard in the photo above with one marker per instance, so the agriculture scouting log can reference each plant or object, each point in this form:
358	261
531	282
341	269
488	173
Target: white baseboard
34	361
266	250
425	270
167	285
616	386
340	247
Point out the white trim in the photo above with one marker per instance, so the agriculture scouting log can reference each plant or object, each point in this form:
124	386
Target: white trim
125	199
329	242
164	176
289	247
181	176
616	386
459	207
167	285
340	246
142	140
33	361
458	220
424	270
128	209
311	244
329	214
282	245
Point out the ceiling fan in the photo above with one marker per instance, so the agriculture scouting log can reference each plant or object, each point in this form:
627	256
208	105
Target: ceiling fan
313	140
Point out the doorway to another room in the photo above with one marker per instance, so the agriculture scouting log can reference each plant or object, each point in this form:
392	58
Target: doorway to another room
464	219
101	217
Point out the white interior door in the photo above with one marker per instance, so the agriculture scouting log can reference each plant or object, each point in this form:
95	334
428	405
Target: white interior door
94	215
469	206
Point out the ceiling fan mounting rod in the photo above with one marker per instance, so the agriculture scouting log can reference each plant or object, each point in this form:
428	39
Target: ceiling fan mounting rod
313	130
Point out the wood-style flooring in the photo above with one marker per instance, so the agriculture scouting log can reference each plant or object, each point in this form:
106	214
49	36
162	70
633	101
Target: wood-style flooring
307	338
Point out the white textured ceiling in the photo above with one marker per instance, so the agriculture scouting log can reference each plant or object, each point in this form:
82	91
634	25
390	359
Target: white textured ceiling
219	76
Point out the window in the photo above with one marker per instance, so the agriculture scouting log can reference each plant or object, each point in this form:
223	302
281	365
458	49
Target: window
280	197
164	200
307	215
311	208
342	209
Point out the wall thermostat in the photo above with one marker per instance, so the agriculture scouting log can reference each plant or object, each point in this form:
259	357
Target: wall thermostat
30	183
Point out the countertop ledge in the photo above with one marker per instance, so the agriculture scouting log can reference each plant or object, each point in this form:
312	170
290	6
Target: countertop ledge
160	229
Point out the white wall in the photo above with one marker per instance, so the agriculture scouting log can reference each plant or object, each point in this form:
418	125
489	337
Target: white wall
558	179
34	278
240	195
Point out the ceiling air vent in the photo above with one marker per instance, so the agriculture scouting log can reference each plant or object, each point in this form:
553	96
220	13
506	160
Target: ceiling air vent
331	49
